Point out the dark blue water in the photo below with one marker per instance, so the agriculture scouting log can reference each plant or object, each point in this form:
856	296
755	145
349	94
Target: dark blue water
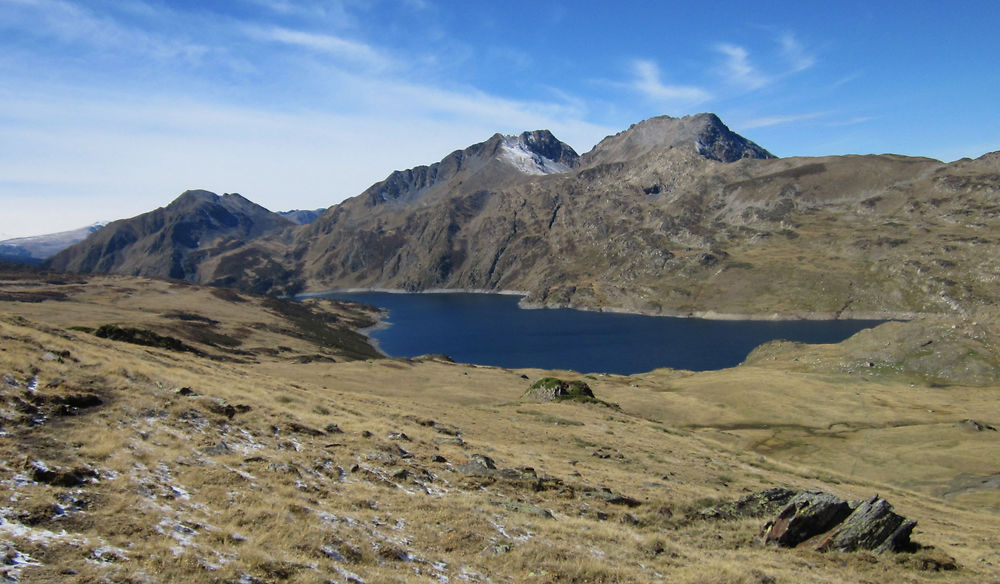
490	329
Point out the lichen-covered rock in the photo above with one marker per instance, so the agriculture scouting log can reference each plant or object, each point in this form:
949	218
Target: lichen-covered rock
831	523
478	465
872	526
552	388
759	504
807	515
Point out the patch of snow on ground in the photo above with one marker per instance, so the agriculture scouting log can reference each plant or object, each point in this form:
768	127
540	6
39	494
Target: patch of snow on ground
348	575
13	562
162	473
240	473
42	537
502	530
107	554
20	480
181	533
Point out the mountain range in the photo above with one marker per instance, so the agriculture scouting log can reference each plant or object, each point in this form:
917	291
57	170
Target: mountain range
35	249
671	216
157	430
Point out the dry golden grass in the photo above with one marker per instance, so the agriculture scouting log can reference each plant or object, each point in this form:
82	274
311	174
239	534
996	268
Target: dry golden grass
350	471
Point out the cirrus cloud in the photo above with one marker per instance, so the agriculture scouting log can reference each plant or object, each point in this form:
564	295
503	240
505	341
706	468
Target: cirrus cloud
646	80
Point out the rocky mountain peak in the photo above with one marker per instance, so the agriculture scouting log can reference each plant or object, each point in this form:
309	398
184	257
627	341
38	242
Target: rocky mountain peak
193	197
530	153
232	202
704	132
537	152
159	243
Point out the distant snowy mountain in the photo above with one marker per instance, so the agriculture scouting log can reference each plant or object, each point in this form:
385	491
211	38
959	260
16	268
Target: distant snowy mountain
496	163
302	216
34	249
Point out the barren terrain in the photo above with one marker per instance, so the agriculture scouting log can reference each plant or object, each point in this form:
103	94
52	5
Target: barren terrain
269	445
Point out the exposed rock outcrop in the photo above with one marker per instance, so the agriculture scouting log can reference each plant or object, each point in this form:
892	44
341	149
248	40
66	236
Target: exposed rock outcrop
807	515
833	524
822	521
872	526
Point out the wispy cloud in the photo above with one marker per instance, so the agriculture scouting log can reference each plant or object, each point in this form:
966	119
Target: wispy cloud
795	54
767	121
110	155
831	120
68	23
646	80
853	121
333	10
352	51
737	68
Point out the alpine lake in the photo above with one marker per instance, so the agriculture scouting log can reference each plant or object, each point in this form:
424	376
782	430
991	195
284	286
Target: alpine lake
491	329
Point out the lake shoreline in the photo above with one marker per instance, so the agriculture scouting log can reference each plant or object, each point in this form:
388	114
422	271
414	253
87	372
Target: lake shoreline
702	314
381	323
495	329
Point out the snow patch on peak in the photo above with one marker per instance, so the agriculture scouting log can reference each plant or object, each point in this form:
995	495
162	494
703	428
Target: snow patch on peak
515	151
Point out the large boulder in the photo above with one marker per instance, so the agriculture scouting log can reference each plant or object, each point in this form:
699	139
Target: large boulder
807	515
833	524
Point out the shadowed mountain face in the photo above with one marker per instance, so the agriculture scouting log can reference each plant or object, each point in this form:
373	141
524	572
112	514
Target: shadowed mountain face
672	216
172	241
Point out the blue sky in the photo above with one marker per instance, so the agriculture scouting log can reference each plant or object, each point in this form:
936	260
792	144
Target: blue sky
112	108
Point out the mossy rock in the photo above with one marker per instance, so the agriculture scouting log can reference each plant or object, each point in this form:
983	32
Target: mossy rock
552	389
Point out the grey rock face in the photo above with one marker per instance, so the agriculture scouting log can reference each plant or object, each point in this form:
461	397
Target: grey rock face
759	504
872	526
808	514
866	525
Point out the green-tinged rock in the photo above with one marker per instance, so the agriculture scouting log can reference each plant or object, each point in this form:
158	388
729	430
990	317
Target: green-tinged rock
552	389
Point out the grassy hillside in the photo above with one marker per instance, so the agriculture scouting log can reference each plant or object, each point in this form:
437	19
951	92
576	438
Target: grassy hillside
278	450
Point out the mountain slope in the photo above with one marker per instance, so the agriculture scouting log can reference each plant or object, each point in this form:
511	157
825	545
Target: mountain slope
652	219
649	222
475	229
172	241
491	164
36	248
705	132
287	461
